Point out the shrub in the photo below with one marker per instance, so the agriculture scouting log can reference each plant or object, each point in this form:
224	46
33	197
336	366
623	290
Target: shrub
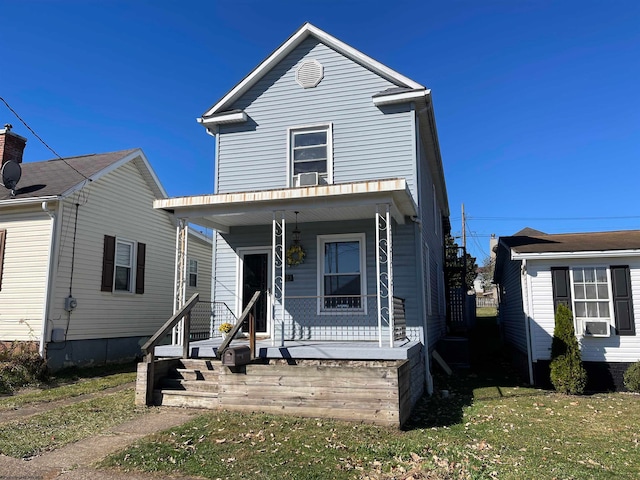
19	368
632	378
567	372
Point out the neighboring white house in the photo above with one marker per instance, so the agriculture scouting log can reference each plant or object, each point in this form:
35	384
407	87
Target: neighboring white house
86	264
597	275
330	195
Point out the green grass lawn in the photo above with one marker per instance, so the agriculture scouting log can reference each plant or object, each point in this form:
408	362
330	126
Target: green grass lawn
64	424
507	433
489	426
60	426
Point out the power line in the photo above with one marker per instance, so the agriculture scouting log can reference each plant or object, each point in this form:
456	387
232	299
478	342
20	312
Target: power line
42	141
509	219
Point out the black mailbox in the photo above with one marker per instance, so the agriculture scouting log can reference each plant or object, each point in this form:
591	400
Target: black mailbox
235	356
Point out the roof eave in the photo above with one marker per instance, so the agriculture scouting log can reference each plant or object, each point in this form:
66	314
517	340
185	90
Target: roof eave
16	202
288	46
591	254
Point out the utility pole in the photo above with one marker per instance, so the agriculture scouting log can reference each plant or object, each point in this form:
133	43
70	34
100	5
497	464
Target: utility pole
464	230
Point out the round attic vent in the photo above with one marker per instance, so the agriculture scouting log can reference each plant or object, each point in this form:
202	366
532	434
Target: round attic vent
309	74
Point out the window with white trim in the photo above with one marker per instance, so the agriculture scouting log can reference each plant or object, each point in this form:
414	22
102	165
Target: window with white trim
310	154
124	266
193	273
342	278
600	297
591	293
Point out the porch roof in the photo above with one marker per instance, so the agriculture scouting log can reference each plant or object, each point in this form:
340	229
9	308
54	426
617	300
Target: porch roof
345	201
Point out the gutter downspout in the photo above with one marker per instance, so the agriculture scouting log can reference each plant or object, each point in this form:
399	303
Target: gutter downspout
528	307
48	293
417	161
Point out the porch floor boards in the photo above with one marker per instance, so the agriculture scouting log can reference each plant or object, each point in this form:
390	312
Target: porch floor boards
301	349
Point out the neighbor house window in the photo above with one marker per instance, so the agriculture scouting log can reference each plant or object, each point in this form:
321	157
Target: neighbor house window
193	273
596	294
310	151
123	265
591	293
342	271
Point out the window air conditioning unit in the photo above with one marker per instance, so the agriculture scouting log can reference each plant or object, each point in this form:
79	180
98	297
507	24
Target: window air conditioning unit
309	179
596	328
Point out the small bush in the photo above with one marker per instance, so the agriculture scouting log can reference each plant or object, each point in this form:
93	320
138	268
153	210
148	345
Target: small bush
19	368
632	378
567	372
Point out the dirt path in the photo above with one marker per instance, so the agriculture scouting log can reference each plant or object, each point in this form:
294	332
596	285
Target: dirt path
74	461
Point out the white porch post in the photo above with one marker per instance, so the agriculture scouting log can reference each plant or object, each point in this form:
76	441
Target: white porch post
278	277
384	268
180	280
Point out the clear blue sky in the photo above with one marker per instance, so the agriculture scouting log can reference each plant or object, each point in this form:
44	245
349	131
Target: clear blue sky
537	102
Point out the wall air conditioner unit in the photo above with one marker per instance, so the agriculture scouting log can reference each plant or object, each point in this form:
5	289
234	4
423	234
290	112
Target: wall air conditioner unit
596	328
309	179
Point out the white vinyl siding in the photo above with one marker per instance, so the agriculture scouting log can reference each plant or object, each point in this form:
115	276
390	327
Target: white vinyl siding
118	204
24	274
512	317
368	142
597	349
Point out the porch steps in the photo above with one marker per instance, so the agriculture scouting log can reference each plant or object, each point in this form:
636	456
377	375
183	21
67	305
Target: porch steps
190	383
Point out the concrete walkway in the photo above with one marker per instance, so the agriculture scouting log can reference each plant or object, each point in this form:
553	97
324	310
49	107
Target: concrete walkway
75	461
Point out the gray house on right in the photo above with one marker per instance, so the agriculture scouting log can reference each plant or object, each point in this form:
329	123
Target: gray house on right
597	275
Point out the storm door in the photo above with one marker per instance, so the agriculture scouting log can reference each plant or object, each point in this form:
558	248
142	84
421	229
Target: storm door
255	276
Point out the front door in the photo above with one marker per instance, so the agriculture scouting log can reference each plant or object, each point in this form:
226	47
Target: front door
255	276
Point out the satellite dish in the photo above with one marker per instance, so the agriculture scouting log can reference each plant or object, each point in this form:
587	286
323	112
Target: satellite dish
11	173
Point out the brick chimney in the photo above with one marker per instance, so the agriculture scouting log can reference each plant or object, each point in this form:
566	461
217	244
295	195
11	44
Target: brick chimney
11	145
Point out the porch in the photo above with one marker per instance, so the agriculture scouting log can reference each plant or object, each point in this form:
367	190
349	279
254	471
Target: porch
300	349
351	380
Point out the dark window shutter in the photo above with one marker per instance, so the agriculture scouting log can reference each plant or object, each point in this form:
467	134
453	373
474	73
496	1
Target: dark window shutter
622	300
3	235
561	287
108	263
140	261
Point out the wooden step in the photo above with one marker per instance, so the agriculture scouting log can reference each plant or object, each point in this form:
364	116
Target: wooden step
189	385
199	364
191	374
186	399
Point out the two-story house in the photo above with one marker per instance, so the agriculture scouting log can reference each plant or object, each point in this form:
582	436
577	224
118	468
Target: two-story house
330	196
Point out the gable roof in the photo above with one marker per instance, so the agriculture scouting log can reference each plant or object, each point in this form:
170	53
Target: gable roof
532	241
60	178
288	46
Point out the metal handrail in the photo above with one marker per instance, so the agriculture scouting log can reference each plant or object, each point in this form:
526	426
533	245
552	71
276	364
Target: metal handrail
236	328
149	347
169	324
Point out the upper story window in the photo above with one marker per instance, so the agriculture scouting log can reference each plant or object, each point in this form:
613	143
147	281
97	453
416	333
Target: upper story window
193	273
310	153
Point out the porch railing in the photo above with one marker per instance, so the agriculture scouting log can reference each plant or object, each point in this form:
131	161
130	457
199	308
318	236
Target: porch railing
336	317
184	315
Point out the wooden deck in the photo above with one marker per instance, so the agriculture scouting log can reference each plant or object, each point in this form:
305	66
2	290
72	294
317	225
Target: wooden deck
356	381
403	350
